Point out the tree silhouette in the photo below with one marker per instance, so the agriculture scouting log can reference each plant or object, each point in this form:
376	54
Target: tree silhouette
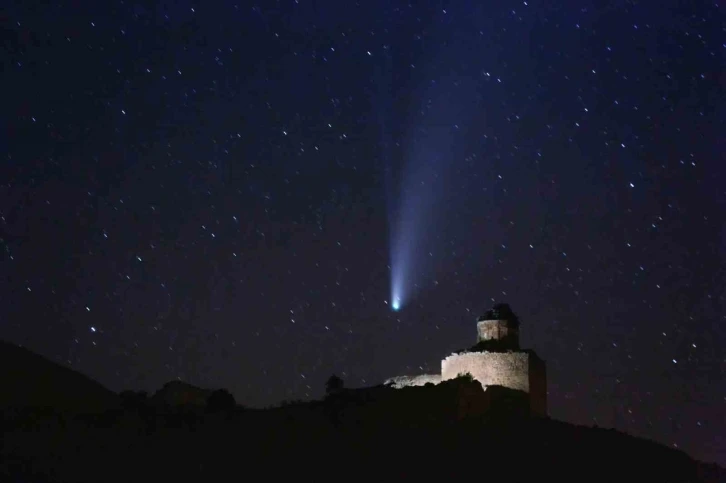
333	385
221	400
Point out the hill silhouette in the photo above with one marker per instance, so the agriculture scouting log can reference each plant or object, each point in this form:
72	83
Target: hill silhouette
30	380
454	429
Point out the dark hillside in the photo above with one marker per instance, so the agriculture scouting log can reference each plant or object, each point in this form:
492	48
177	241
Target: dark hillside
452	430
30	380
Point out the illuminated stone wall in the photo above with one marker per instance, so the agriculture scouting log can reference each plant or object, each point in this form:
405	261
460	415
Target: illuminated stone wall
508	369
407	381
496	360
520	370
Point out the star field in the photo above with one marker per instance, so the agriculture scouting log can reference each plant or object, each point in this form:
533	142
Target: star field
203	191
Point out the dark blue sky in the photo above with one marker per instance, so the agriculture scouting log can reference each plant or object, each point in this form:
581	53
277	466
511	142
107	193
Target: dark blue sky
207	191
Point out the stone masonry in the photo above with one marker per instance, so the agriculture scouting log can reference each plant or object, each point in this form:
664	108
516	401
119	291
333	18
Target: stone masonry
496	360
508	369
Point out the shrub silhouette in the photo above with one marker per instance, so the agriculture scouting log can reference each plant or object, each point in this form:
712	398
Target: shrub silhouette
333	385
465	376
221	400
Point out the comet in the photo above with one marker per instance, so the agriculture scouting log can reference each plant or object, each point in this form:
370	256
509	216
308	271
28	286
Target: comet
396	304
423	151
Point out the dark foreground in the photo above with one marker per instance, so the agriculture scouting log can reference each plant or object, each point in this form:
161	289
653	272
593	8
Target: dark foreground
351	436
58	425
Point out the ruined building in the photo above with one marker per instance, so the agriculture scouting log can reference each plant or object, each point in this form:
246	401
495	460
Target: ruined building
496	359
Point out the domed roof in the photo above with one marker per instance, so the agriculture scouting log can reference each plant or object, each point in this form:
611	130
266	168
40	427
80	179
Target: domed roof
500	312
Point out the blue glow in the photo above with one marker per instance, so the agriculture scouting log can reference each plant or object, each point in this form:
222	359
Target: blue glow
434	143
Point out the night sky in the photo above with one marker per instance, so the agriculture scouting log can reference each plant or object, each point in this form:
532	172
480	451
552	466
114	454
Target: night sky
232	194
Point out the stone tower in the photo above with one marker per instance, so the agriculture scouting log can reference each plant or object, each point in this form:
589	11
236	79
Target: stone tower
498	328
495	360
